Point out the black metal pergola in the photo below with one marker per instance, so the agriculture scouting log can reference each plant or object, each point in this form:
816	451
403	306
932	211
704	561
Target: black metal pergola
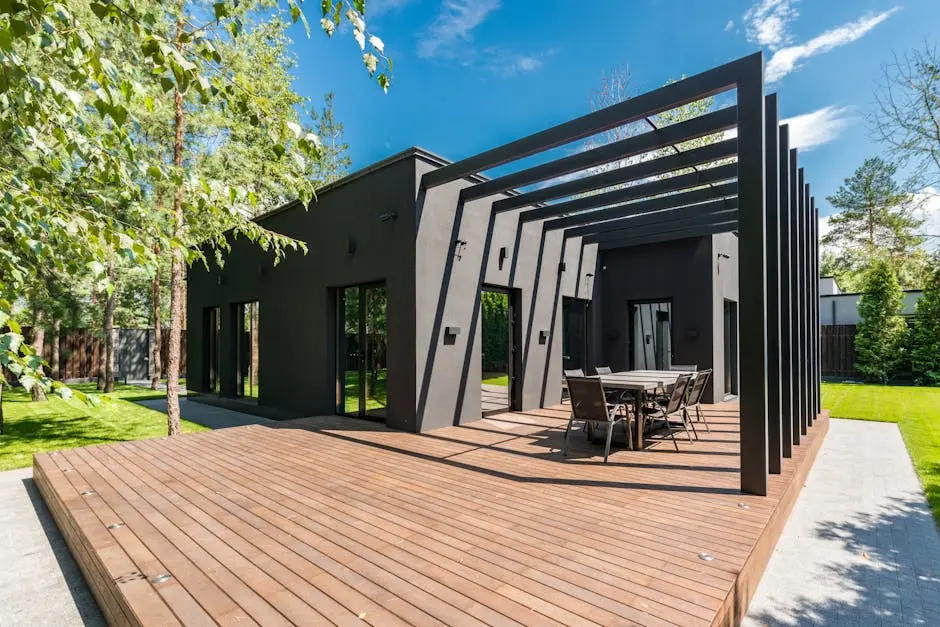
750	184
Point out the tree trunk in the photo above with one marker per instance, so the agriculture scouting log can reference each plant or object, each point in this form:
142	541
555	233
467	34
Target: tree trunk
55	361
157	331
109	329
102	356
176	264
39	338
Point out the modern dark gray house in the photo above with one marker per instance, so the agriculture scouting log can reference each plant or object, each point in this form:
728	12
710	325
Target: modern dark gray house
432	294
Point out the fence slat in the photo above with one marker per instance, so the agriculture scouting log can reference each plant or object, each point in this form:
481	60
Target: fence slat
837	351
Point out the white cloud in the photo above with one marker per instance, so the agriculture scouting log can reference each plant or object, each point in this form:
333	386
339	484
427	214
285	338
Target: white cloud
453	27
505	62
785	60
818	127
729	25
768	22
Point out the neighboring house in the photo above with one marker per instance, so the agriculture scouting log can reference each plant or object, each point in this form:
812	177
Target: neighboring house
838	308
374	320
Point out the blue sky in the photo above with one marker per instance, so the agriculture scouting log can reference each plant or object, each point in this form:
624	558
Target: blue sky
471	74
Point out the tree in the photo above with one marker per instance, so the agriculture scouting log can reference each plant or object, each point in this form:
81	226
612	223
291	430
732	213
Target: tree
879	342
76	80
876	217
334	151
908	116
925	334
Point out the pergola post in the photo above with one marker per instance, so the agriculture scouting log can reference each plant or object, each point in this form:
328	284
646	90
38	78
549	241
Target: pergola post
817	360
804	302
786	298
752	276
772	267
810	307
796	303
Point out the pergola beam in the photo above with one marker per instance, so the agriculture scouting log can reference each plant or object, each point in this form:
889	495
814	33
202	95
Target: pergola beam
706	213
662	204
699	126
671	96
786	298
690	232
634	192
772	261
725	149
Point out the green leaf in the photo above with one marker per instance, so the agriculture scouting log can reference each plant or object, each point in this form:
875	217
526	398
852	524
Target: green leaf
221	10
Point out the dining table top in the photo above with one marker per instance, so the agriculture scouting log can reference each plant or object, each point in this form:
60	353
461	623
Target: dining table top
641	379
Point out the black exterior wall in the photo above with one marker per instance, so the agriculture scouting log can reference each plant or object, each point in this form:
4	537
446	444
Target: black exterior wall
297	298
694	274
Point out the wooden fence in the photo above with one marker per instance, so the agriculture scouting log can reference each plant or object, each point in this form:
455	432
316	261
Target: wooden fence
837	351
81	350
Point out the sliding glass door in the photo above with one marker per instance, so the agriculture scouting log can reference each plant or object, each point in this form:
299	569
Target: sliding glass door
362	351
212	326
246	350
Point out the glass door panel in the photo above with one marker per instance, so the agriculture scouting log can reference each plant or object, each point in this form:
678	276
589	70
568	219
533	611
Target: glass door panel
496	357
246	350
348	353
652	336
375	364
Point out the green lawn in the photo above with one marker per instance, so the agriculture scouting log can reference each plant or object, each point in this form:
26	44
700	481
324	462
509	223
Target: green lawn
376	397
495	378
915	409
57	424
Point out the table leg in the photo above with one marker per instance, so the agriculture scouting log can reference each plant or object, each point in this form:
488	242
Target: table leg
638	396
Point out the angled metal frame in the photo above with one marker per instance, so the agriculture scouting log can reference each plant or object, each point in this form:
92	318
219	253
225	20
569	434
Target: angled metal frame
761	195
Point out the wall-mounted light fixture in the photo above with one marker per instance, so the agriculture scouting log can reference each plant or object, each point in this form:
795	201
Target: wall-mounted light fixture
459	246
350	246
453	331
561	266
503	253
388	216
543	336
720	257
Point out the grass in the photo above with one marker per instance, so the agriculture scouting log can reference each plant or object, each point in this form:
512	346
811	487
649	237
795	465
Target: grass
58	424
376	397
496	378
916	410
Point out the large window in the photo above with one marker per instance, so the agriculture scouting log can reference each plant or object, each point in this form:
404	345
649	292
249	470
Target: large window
362	351
212	325
246	350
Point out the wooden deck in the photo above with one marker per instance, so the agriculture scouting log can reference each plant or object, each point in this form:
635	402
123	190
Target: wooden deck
334	520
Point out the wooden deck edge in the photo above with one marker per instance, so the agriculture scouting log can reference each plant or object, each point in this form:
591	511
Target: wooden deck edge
735	605
104	589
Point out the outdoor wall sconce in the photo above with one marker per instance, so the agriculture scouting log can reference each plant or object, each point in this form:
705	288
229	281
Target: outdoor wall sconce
452	331
459	246
720	257
350	246
388	216
502	257
691	334
561	266
543	336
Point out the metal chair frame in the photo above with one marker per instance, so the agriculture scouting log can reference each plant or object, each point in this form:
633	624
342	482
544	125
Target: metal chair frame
589	405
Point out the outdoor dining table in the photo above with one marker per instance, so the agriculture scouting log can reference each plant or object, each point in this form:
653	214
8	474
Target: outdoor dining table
639	382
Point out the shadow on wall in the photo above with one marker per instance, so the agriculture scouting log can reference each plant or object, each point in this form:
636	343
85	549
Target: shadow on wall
880	571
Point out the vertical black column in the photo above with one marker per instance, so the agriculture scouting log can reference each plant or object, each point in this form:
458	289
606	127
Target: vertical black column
752	278
796	304
801	262
817	361
772	268
786	298
810	306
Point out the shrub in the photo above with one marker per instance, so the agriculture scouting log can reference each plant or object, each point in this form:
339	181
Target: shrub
925	334
882	332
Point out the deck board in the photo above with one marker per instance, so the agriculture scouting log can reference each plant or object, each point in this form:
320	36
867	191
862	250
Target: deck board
338	521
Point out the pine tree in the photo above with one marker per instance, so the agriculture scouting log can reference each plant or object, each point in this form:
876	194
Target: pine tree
925	336
879	343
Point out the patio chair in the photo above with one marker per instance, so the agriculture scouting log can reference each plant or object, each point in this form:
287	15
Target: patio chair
674	406
589	405
614	396
603	370
681	368
694	399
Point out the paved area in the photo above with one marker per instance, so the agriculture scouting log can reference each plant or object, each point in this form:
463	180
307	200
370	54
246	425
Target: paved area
40	583
208	415
861	547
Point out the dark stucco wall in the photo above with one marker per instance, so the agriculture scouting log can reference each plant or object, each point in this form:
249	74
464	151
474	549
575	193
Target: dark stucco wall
297	298
680	271
448	284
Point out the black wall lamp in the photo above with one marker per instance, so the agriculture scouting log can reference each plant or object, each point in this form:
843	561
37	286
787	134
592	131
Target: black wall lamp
502	256
350	246
459	246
